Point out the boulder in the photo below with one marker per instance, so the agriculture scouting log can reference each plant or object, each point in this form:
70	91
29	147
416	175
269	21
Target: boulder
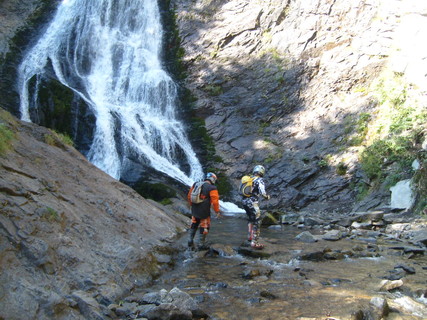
402	196
306	237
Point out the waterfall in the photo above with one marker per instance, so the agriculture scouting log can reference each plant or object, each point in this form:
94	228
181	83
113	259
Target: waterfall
108	53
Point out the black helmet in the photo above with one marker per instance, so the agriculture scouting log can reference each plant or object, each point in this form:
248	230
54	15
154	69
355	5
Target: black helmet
259	170
211	177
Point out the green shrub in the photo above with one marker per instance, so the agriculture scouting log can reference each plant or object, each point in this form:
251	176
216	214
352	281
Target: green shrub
6	137
65	139
214	90
358	128
50	214
56	139
381	153
391	89
322	163
341	169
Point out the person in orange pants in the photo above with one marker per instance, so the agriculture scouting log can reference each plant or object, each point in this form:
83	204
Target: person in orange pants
201	212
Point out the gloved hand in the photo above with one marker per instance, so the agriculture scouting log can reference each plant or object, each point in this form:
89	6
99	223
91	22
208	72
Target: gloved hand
268	197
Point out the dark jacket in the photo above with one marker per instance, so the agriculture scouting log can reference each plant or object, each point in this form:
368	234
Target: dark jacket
203	210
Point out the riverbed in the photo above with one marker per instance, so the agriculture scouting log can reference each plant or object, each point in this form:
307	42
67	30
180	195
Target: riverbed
291	279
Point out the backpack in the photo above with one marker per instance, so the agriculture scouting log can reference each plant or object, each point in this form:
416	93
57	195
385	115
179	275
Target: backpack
196	194
246	186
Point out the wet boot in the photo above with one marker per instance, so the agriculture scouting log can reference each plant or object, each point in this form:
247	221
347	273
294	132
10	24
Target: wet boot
191	234
201	241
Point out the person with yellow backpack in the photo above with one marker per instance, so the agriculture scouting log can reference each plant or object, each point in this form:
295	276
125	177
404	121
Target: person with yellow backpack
251	188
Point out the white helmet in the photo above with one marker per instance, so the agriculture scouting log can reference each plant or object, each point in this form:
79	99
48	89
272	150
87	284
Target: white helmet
211	177
259	170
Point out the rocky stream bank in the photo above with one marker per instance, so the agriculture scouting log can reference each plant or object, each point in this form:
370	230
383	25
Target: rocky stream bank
367	266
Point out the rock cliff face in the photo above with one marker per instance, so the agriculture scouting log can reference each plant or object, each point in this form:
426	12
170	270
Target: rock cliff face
282	83
279	81
69	233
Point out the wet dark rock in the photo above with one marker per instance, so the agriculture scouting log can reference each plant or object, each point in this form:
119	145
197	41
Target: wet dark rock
396	274
199	314
415	250
345	222
406	268
218	285
313	256
251	273
337	281
306	237
333	235
255	300
268	295
334	255
168	311
419	237
222	250
254	253
311	222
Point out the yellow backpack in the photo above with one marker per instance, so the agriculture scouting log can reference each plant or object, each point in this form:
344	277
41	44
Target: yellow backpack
246	186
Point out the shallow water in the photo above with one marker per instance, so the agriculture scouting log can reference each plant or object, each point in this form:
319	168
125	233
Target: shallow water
282	286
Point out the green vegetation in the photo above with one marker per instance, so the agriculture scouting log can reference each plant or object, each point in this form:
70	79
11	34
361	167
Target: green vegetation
392	136
381	153
200	136
262	126
50	214
55	101
58	139
213	90
324	162
357	128
6	137
341	169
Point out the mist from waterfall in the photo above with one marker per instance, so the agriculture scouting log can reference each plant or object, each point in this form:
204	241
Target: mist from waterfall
108	52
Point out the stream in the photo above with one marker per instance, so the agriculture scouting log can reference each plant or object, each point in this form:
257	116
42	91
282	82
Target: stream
291	279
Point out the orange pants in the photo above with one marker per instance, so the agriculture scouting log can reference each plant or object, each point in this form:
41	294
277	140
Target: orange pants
204	224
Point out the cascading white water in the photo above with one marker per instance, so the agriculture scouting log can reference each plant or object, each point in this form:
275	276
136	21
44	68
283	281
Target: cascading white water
107	51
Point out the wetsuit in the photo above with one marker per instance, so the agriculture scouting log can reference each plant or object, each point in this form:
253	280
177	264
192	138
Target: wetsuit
251	206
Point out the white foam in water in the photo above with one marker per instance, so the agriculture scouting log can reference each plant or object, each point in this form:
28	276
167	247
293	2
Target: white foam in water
230	208
108	52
